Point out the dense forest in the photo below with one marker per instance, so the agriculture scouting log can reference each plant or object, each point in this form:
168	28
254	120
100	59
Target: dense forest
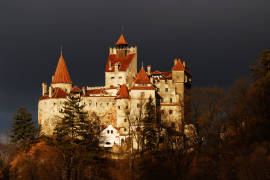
232	139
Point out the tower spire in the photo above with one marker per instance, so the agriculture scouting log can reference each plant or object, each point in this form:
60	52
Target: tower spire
61	50
121	40
61	74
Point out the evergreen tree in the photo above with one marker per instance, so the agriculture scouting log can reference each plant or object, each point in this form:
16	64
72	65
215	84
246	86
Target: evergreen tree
72	121
76	136
23	128
150	130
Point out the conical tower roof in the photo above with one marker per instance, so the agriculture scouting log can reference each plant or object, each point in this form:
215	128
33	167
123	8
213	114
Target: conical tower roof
123	92
61	74
142	77
121	40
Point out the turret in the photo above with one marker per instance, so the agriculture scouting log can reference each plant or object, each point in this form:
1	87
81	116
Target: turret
61	76
50	91
44	89
149	70
178	76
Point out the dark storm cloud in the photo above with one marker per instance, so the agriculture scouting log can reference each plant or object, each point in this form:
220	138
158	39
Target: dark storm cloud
219	39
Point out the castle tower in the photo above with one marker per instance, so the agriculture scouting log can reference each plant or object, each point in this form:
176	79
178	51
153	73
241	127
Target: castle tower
121	65
61	78
178	76
122	109
140	93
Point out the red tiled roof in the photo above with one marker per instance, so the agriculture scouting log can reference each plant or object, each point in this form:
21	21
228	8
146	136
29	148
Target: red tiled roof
121	40
61	74
156	73
44	97
59	93
123	92
142	77
143	88
124	62
76	89
167	74
178	66
96	91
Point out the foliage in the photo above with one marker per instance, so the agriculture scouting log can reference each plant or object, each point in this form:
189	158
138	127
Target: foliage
23	128
150	130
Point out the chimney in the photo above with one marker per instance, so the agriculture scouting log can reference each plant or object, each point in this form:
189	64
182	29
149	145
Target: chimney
175	61
184	64
110	50
149	70
114	51
110	65
50	91
116	67
44	88
83	90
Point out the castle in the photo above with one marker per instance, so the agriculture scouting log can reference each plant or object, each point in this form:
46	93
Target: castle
125	90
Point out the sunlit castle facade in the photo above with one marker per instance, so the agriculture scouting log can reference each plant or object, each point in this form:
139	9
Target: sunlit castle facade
125	92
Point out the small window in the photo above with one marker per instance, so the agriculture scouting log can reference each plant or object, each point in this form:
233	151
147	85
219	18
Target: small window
108	131
120	77
170	100
119	107
125	129
126	107
107	104
112	77
125	120
166	81
108	143
111	131
170	111
154	81
166	89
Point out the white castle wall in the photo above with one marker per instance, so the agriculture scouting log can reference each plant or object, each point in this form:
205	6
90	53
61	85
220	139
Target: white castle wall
49	113
139	98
